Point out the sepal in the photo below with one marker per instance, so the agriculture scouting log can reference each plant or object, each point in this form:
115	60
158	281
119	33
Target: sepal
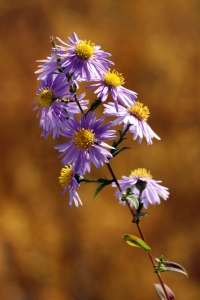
141	185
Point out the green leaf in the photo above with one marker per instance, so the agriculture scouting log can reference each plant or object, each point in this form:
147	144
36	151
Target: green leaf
100	187
103	182
136	242
115	152
94	105
133	200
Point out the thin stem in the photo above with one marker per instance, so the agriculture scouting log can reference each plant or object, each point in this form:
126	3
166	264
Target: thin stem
78	104
122	135
140	231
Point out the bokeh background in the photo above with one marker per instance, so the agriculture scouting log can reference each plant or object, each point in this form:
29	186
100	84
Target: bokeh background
49	251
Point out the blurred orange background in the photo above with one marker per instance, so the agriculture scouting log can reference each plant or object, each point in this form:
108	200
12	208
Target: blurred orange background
49	251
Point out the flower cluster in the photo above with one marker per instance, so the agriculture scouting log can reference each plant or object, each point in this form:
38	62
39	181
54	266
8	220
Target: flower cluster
86	138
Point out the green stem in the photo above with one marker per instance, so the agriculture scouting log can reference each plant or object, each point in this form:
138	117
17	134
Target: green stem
100	180
122	135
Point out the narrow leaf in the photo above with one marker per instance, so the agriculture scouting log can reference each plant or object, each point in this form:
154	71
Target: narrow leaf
136	242
94	105
161	294
100	187
172	266
115	152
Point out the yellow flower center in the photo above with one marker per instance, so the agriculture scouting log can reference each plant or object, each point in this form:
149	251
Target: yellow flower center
114	79
139	111
45	97
84	138
84	50
141	173
66	175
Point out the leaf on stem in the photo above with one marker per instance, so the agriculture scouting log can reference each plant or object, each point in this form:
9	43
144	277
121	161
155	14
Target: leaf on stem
100	187
133	200
165	265
121	138
94	105
115	152
161	294
136	242
103	182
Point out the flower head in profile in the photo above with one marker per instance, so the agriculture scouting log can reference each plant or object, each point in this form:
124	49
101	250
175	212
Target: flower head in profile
51	99
83	58
135	115
112	82
86	142
50	65
68	180
141	182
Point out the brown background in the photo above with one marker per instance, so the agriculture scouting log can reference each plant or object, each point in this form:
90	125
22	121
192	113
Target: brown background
49	251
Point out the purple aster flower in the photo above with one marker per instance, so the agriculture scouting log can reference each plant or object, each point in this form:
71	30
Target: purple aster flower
54	109
85	143
83	58
113	82
51	65
135	115
68	181
151	189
